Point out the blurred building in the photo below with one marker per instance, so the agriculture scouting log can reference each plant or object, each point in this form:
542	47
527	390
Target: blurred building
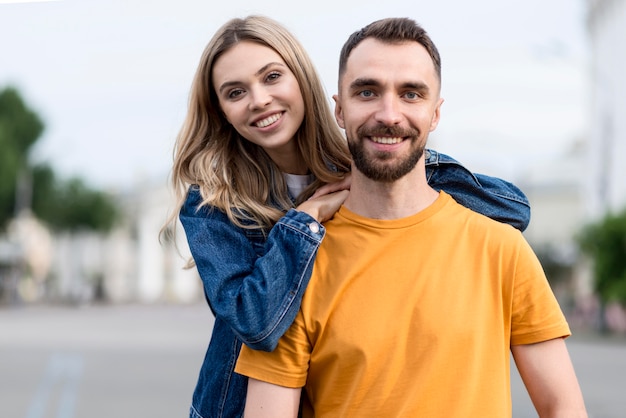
11	269
606	157
557	204
160	272
129	264
558	211
139	264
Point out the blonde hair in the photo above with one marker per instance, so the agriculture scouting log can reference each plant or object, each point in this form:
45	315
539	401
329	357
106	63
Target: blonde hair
233	174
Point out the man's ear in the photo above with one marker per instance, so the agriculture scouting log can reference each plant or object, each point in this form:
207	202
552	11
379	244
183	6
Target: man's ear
436	115
338	112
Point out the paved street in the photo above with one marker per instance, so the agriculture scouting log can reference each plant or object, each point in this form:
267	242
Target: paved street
142	361
601	369
97	362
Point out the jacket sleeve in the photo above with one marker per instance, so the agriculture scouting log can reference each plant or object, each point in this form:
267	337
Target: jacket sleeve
257	291
491	196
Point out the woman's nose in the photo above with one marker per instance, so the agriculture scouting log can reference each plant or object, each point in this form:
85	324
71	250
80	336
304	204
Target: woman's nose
260	98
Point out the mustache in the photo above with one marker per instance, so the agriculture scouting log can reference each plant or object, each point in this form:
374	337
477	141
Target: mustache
384	130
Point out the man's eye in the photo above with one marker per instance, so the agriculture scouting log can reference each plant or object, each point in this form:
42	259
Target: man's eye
366	93
412	95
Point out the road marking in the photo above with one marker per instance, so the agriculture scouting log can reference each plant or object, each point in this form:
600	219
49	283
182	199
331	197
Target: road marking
64	370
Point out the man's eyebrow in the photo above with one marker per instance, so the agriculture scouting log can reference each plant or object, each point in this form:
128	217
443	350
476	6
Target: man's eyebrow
364	82
416	85
259	72
371	82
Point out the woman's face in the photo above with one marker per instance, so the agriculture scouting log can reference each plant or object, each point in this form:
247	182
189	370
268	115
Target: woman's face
261	98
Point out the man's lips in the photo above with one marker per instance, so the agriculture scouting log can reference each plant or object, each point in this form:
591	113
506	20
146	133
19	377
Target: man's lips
386	139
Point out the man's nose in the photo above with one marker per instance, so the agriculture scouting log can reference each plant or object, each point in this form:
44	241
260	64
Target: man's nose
389	111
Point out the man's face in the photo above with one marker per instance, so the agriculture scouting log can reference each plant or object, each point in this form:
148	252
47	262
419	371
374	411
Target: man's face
388	103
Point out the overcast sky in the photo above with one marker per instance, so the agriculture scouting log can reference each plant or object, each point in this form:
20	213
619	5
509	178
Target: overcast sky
110	78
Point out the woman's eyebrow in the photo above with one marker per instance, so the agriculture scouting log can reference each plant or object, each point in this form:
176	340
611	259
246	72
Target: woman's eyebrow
266	66
228	84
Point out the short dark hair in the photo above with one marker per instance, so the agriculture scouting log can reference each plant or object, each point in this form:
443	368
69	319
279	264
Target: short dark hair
391	30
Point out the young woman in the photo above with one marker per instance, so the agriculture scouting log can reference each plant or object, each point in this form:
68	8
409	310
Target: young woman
258	141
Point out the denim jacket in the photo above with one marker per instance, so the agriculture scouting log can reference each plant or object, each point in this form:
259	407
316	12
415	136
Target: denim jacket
254	282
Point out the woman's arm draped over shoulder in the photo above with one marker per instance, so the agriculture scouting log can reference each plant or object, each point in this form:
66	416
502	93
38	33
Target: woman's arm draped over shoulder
491	196
255	288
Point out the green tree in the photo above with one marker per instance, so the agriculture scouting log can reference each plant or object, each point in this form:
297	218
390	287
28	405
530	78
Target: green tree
605	242
62	204
71	205
20	128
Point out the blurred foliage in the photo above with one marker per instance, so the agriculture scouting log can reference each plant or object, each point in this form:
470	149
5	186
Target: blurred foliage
19	130
63	204
71	205
605	242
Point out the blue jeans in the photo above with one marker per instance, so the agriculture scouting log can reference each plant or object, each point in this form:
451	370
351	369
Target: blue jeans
254	280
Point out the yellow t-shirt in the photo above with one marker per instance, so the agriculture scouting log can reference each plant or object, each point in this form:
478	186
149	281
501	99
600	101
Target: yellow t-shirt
413	317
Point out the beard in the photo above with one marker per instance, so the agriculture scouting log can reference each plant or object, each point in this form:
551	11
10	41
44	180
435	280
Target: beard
383	166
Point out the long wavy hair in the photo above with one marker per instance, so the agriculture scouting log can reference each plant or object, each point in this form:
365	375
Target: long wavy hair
233	174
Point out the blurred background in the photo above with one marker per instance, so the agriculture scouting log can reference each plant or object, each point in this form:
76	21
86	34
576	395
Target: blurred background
93	92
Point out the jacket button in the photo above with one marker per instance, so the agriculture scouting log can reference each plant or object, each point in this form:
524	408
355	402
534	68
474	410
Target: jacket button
314	227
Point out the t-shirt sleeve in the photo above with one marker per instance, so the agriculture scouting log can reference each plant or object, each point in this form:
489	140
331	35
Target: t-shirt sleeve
536	314
287	365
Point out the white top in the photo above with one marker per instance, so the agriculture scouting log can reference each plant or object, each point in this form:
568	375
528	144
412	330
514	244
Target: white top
296	183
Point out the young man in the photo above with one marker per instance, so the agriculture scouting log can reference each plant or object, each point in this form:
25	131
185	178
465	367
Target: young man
415	301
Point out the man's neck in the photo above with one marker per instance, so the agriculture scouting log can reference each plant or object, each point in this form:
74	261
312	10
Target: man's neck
404	197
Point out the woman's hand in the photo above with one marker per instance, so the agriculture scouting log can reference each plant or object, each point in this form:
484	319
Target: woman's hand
323	207
326	200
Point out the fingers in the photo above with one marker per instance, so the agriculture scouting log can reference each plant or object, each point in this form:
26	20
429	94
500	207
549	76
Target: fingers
324	207
330	203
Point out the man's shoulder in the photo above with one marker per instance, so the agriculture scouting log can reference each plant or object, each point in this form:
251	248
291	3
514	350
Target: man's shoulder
478	222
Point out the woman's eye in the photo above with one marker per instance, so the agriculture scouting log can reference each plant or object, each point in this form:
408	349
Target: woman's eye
272	76
233	94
